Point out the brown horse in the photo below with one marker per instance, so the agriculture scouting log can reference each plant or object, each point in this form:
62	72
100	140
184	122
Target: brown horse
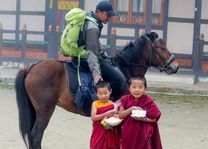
44	85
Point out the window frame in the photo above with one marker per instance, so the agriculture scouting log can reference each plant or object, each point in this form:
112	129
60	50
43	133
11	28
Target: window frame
131	17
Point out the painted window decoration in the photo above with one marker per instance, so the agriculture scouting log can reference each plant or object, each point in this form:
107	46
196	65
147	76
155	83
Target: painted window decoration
67	4
135	12
63	6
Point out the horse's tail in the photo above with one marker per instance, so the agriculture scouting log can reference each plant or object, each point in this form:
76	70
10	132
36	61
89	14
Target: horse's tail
25	108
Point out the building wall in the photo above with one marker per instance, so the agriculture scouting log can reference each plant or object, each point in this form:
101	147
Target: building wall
8	24
179	34
32	5
8	5
181	8
33	22
204	27
204	9
180	37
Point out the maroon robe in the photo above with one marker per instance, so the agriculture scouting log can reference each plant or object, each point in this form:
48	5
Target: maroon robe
138	134
102	138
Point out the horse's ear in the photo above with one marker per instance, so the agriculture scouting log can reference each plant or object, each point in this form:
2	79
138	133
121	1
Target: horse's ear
152	36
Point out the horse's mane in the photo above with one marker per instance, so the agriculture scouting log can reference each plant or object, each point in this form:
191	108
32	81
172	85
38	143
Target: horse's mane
133	51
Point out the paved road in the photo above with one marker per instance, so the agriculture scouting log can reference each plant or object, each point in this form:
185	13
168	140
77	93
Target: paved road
182	126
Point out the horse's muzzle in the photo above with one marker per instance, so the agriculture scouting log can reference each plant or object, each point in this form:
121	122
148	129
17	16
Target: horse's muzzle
170	70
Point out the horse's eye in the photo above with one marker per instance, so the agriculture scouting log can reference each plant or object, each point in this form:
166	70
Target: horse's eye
162	48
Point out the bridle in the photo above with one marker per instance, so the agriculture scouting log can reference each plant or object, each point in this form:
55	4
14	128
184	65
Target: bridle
166	63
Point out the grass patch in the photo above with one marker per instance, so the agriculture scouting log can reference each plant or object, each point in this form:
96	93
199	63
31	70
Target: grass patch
6	86
193	101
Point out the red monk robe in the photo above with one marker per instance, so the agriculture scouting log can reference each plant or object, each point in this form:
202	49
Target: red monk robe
138	134
102	138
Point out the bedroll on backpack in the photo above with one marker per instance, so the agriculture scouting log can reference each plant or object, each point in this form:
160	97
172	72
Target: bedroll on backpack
74	23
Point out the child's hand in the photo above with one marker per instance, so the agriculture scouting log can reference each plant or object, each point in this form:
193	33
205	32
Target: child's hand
138	118
136	108
115	115
109	113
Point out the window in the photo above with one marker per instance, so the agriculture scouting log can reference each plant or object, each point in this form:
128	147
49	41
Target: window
63	6
135	12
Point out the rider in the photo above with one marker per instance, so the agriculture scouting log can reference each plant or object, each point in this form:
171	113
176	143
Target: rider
100	69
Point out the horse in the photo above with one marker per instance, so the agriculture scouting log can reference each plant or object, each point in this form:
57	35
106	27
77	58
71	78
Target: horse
42	86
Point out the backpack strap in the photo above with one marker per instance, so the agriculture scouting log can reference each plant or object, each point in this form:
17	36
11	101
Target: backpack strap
92	19
78	73
88	17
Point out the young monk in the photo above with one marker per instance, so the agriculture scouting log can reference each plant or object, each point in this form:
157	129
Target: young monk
139	132
101	137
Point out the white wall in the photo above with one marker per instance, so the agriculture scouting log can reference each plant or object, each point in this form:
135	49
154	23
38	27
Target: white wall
180	37
32	5
204	30
8	5
204	9
204	27
181	8
120	42
128	32
8	24
34	23
90	5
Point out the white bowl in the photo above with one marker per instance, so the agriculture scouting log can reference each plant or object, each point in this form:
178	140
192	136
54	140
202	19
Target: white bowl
138	113
113	121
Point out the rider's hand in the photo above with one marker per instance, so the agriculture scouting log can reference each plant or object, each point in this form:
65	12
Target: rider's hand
97	78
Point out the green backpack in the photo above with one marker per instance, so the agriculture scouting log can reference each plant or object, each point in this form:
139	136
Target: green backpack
74	24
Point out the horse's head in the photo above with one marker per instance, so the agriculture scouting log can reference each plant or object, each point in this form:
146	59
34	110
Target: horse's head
161	57
144	52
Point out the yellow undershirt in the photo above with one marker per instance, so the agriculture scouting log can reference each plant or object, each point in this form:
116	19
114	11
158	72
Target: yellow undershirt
100	104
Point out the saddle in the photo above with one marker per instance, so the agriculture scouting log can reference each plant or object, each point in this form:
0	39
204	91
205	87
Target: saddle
85	93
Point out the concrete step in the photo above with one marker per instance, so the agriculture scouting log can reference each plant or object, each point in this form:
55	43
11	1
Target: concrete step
156	82
175	78
176	84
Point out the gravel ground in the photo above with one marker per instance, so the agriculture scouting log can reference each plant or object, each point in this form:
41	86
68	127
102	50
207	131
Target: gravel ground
182	126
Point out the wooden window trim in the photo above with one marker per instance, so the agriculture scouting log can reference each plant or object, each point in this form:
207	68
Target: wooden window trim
130	16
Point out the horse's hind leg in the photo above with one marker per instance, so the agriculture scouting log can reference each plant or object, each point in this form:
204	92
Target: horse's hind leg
42	119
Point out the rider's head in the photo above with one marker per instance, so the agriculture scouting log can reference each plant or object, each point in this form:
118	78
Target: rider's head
104	11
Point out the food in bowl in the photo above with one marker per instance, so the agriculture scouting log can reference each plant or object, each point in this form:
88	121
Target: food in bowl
113	120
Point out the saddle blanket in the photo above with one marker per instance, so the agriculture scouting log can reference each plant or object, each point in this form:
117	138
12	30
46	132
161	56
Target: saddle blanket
84	94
